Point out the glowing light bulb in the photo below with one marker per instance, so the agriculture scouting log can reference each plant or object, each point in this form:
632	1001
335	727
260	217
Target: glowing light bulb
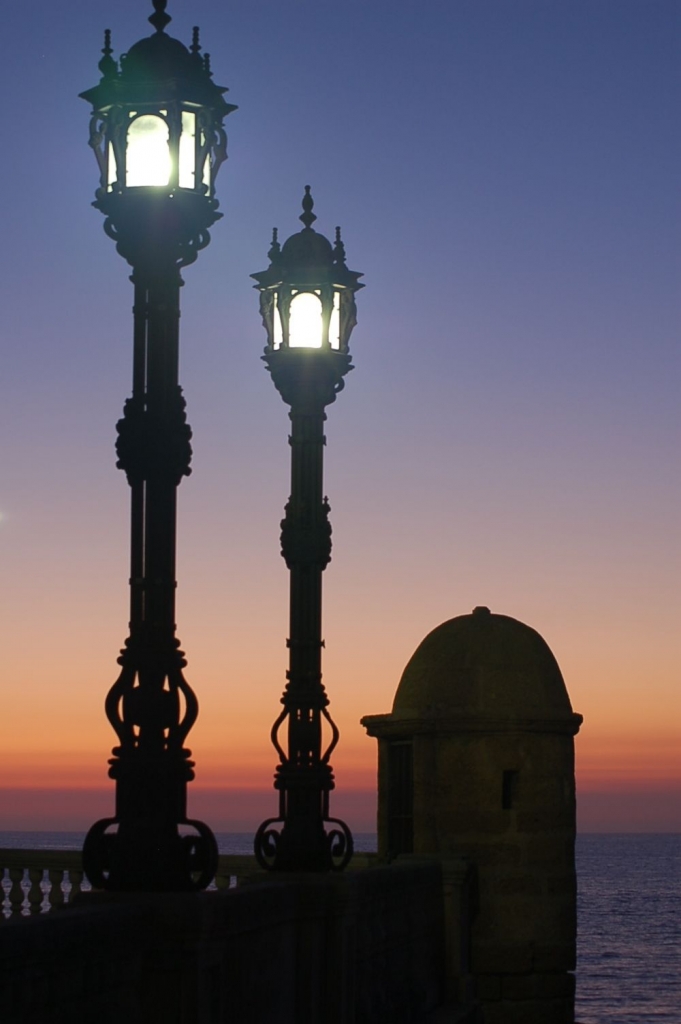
305	321
148	153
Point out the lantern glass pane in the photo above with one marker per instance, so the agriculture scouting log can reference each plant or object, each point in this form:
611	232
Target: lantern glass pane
305	321
111	168
277	335
334	324
206	162
148	152
187	150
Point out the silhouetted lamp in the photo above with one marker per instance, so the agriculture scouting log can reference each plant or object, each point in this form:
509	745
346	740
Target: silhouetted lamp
307	302
307	295
157	133
156	130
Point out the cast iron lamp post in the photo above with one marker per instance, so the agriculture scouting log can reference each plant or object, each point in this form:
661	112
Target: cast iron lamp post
307	301
156	130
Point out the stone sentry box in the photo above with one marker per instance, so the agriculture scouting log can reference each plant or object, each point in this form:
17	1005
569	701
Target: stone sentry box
476	761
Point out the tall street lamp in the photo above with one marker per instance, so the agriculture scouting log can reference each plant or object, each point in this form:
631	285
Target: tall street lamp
307	302
156	130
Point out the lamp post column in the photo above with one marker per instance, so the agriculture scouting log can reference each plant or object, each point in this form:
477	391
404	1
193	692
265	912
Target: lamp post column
153	446
156	131
304	777
151	706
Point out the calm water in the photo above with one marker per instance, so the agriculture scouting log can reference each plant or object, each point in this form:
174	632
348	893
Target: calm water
228	842
629	912
629	944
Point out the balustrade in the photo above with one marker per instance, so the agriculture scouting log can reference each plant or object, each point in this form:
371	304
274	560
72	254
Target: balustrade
36	881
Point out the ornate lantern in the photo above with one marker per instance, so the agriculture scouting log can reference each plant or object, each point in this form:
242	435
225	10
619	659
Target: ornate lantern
156	130
307	295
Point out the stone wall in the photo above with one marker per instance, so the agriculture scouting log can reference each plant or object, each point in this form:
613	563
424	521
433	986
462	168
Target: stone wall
359	948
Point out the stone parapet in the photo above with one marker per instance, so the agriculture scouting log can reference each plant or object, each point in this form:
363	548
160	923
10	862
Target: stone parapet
358	948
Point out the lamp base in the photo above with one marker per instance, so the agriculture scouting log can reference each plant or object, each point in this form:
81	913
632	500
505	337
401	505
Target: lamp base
303	845
138	855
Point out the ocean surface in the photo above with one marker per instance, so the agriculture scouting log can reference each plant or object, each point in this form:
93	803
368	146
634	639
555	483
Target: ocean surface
629	929
629	919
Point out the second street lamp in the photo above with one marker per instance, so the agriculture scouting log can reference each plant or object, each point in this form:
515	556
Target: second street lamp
307	301
156	130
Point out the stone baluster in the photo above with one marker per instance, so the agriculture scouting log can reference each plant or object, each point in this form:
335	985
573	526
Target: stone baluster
76	880
35	893
223	880
16	893
56	894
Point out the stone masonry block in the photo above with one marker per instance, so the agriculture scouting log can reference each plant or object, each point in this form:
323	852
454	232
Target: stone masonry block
495	958
554	958
488	986
525	1011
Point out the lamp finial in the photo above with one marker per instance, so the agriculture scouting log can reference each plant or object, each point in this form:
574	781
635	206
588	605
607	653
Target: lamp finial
307	216
339	249
275	248
159	19
107	64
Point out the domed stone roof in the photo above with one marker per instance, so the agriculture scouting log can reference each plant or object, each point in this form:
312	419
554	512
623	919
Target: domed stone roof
482	666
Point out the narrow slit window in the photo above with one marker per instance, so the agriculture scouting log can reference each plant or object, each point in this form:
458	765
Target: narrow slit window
400	799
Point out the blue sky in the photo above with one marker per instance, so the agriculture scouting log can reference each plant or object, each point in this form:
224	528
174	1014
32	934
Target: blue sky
506	177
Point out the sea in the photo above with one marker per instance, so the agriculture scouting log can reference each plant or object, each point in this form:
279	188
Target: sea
629	919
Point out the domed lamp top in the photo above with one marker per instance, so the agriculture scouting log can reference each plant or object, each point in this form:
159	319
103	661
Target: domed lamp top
157	68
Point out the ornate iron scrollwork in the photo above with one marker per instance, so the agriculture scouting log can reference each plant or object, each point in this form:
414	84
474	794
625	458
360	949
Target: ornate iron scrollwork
154	438
306	540
110	855
334	852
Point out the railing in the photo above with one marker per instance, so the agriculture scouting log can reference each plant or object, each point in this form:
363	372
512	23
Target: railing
362	945
36	881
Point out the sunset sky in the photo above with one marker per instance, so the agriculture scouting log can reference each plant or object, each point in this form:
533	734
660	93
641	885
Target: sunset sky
506	176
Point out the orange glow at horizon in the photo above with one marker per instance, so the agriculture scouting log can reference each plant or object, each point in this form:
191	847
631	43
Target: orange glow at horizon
610	762
625	745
